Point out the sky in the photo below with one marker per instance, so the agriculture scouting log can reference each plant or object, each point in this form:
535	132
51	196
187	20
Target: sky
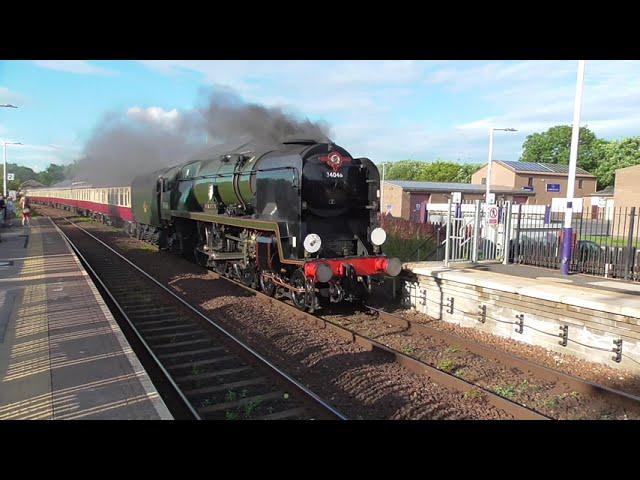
384	110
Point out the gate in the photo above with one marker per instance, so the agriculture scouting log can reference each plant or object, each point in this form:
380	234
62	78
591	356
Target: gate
476	232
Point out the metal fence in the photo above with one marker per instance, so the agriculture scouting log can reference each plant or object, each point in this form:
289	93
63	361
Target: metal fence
605	241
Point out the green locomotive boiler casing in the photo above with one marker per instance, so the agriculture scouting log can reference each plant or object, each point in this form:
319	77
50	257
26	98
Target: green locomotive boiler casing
285	184
224	184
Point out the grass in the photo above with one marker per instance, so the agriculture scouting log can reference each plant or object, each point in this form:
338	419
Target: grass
609	241
460	373
446	366
554	402
508	391
472	394
525	386
251	407
550	403
231	415
408	350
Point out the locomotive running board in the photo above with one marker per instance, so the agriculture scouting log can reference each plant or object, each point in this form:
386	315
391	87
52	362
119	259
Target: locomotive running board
242	223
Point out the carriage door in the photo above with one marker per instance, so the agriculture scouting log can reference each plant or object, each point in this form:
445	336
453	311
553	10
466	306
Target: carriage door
419	203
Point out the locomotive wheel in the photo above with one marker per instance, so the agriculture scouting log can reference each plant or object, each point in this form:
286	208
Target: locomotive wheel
220	267
267	286
298	280
249	277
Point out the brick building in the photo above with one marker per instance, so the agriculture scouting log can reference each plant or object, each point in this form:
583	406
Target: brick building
547	180
408	200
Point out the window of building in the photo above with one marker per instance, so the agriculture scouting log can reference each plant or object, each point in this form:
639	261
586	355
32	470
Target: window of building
530	182
484	180
580	184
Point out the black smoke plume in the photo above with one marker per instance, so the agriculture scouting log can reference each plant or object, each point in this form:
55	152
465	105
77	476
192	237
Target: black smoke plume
123	145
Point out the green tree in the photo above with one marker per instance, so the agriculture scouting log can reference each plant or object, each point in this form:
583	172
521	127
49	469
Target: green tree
21	174
53	174
438	171
466	171
616	154
553	146
403	170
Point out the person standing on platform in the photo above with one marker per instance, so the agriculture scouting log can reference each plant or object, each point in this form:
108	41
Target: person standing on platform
3	211
26	211
10	210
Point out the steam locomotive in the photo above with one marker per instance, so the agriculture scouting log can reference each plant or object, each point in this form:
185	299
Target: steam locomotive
297	217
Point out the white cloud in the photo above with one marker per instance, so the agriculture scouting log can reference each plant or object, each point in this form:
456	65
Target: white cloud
41	155
7	96
155	115
81	67
365	101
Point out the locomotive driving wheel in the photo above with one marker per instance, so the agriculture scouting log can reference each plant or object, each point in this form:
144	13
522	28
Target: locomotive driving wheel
267	286
303	300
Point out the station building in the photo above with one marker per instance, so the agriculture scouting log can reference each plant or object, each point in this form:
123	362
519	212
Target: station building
547	180
626	192
409	199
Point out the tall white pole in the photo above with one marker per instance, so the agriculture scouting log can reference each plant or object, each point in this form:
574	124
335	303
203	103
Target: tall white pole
4	176
571	180
382	189
489	162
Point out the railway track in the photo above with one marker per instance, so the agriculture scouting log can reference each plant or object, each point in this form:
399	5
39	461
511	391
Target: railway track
562	382
435	375
213	373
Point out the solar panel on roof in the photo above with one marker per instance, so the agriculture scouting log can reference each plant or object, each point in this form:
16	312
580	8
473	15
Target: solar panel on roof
541	167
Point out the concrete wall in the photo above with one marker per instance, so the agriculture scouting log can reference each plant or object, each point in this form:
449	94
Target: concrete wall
430	295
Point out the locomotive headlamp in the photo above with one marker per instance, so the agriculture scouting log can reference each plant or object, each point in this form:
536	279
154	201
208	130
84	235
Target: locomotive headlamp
378	236
312	243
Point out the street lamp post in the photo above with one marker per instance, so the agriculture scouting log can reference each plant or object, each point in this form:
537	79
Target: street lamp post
490	160
4	176
573	160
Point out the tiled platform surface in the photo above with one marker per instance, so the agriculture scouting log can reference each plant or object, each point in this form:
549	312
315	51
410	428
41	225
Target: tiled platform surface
62	355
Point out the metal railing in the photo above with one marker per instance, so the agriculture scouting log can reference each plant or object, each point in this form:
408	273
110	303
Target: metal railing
605	240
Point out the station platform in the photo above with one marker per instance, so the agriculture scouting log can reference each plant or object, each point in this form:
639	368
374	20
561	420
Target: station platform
596	312
62	354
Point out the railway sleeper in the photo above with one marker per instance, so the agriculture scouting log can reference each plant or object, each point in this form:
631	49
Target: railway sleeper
242	402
